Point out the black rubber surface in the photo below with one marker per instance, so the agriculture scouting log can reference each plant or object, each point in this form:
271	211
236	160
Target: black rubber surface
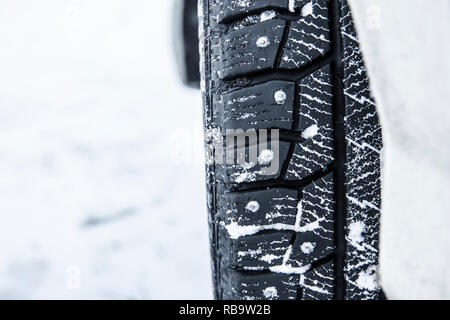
309	230
185	41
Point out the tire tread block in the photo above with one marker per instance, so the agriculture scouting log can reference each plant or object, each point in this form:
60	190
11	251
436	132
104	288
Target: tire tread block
318	284
315	240
276	206
316	123
232	8
259	252
308	38
248	172
273	286
241	54
256	108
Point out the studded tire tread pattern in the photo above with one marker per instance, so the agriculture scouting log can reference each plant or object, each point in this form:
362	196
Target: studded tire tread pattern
309	231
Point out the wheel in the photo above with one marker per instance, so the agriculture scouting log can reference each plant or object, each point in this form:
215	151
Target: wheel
294	204
185	41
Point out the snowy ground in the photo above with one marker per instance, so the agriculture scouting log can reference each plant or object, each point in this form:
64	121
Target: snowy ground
95	205
97	166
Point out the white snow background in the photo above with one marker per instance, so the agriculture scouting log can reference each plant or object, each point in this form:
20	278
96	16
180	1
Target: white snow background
101	177
98	177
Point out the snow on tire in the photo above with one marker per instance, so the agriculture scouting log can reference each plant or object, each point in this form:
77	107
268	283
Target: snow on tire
310	229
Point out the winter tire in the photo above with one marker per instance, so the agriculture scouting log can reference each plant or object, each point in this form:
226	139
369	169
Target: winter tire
310	229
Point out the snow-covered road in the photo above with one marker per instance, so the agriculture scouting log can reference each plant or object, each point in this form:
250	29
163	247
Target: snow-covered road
99	185
101	176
